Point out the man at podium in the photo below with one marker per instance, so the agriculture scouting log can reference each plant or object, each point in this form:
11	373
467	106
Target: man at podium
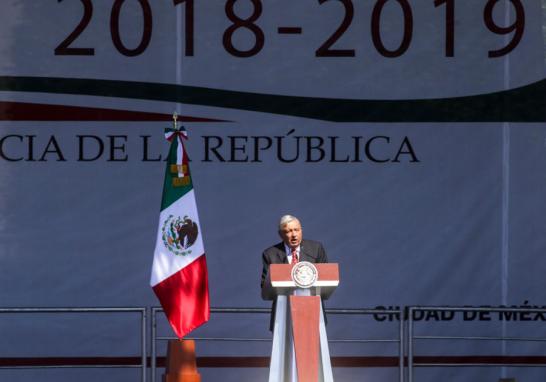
291	250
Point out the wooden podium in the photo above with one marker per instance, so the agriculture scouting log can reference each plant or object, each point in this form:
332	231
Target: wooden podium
300	345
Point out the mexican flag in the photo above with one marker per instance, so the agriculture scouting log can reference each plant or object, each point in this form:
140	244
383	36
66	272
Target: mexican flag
179	272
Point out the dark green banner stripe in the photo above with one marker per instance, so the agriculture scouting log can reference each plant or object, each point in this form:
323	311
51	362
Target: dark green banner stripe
171	193
524	104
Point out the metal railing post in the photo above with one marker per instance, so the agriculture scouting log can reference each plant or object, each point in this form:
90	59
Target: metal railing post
401	347
144	369
154	344
410	344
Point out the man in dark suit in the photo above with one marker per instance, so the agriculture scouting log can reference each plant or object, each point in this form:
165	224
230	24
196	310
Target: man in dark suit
292	249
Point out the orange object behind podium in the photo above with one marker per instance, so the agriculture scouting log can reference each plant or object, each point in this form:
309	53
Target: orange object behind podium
181	364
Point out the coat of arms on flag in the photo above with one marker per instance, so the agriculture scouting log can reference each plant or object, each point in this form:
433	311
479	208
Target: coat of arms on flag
179	235
179	271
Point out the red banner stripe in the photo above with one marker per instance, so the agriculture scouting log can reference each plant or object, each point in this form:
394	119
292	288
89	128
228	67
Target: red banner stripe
21	111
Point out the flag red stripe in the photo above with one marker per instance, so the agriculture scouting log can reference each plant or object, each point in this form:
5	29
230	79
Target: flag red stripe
22	111
184	297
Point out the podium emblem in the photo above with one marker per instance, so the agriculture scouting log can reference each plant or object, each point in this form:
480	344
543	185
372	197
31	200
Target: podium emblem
304	274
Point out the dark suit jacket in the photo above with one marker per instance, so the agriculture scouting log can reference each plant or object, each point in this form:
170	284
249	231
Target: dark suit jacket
310	250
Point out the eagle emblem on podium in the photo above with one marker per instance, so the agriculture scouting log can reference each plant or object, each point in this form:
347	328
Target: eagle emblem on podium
304	274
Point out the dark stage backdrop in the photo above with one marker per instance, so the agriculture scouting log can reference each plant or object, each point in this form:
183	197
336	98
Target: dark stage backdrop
408	136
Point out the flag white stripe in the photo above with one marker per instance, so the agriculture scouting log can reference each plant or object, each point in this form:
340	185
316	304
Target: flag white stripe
180	156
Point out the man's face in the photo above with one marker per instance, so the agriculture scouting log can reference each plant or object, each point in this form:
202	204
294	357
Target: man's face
291	233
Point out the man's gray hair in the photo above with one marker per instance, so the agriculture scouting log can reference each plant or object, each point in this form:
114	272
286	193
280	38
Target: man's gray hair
285	220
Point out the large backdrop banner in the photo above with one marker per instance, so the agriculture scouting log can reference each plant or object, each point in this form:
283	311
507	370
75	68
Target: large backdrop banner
409	137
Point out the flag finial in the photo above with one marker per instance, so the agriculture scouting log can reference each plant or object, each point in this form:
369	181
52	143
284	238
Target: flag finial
175	118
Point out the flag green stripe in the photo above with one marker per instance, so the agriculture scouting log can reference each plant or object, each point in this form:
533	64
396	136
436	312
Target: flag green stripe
170	193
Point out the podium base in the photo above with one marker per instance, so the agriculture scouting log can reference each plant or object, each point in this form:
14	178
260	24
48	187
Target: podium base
283	366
